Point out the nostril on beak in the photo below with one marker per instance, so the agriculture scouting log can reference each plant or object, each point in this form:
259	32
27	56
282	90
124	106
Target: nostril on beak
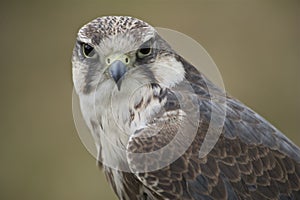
117	70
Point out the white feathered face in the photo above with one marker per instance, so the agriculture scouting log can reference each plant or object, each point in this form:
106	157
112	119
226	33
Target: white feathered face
111	50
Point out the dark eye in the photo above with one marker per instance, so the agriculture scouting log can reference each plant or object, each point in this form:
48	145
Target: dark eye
143	52
87	50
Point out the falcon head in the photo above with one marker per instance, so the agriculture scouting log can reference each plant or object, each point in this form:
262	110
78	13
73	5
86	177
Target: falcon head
113	51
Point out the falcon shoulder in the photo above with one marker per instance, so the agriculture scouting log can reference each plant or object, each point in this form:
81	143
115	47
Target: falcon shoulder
251	159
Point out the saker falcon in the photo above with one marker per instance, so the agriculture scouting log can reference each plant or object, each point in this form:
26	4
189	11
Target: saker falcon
149	111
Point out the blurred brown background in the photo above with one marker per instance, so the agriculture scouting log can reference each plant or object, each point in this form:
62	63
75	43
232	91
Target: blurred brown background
256	45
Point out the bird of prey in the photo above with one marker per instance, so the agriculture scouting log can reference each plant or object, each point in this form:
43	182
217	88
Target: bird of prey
149	111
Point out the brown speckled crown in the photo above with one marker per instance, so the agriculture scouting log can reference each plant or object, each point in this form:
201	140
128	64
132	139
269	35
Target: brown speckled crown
107	26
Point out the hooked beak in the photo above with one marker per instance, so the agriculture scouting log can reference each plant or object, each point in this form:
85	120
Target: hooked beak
117	70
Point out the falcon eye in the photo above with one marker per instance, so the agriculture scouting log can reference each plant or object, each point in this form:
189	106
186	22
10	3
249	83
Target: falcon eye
143	52
87	50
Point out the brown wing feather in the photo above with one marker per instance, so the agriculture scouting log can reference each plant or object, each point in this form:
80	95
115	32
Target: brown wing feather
251	160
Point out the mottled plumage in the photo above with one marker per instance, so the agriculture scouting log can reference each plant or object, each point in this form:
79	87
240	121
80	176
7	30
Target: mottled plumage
142	111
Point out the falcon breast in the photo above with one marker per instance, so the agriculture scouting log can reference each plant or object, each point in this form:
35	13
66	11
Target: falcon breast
149	111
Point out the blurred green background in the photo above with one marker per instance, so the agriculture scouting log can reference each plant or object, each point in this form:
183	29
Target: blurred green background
256	45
